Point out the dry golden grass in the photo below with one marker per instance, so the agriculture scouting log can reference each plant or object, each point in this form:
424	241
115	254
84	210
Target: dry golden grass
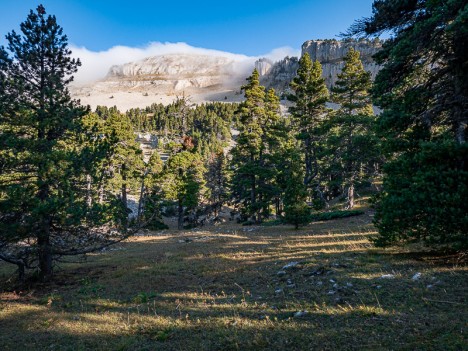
217	288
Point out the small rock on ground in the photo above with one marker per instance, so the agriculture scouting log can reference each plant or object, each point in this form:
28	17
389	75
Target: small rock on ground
300	314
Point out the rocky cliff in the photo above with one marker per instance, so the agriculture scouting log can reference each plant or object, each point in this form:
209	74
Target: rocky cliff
164	78
174	72
280	74
329	53
210	77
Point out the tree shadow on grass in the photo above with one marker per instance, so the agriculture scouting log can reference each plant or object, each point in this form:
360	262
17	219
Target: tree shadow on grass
227	294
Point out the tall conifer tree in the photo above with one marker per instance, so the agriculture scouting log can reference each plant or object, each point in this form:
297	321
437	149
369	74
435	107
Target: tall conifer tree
184	182
308	112
246	153
253	158
351	143
46	207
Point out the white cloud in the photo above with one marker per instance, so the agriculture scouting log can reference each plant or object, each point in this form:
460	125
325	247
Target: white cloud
95	65
280	53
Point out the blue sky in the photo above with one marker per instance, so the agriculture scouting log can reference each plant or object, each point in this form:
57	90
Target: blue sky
249	27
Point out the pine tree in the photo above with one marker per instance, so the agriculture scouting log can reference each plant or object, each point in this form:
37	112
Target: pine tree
423	91
296	210
183	182
351	145
246	153
274	140
125	162
151	193
45	206
253	157
217	181
308	112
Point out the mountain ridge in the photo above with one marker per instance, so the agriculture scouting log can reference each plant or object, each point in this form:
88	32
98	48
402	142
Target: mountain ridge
163	78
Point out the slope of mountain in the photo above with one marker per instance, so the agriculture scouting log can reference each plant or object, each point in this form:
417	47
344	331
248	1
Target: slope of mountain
161	79
174	72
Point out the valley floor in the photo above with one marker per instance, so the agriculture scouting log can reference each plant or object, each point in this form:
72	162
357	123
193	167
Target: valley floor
323	287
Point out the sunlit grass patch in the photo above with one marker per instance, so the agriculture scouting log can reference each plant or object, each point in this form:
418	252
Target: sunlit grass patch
226	288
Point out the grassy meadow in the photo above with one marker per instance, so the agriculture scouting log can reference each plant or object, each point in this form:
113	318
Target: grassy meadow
229	287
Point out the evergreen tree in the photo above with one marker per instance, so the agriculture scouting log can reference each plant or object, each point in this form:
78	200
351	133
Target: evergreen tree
217	181
151	193
254	158
308	112
274	140
296	210
246	153
297	214
423	91
125	160
183	182
351	145
45	207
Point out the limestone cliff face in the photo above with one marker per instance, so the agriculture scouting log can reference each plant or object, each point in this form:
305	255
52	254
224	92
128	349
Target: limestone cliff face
280	74
263	66
329	53
178	71
164	78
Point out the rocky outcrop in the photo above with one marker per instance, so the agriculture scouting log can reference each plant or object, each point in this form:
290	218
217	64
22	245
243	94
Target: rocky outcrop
263	66
329	53
178	71
333	51
280	74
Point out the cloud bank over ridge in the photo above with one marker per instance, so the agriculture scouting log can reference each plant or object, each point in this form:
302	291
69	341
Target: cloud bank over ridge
95	65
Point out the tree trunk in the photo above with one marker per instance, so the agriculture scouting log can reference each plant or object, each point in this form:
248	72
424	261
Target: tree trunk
89	199
460	115
253	197
351	196
124	191
460	133
142	198
101	193
310	159
44	252
43	235
44	257
180	222
21	272
322	197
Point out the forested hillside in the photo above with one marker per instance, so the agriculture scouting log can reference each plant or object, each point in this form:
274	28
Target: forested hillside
345	200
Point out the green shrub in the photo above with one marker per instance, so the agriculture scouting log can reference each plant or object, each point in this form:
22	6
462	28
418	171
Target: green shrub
297	214
156	224
326	216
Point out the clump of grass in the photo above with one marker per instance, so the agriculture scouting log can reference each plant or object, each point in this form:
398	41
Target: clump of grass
49	299
143	297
